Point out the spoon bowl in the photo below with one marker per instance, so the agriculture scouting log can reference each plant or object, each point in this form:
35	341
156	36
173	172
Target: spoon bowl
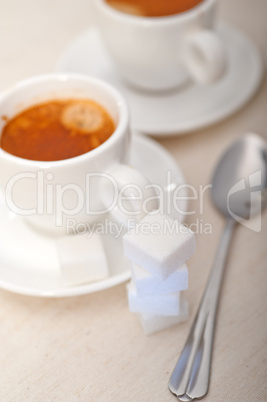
239	176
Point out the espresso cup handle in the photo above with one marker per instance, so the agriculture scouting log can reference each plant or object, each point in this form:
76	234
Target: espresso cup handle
130	197
204	56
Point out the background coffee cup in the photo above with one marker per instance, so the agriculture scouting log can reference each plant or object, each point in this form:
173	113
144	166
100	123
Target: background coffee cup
82	188
160	53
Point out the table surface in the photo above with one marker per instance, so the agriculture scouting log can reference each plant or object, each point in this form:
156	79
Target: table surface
91	348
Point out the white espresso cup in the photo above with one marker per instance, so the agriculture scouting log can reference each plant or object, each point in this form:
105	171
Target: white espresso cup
159	53
82	189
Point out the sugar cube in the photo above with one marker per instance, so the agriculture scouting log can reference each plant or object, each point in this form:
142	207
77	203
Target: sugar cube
154	323
82	259
147	284
167	304
159	244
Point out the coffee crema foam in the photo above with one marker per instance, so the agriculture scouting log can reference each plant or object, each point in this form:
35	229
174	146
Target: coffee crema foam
56	130
153	8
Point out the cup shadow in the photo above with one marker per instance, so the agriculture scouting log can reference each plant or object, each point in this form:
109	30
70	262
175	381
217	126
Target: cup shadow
157	92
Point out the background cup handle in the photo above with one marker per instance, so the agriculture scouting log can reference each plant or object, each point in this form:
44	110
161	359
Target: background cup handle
135	196
204	56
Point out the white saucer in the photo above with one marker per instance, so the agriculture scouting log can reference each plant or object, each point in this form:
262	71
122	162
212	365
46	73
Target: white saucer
28	260
181	111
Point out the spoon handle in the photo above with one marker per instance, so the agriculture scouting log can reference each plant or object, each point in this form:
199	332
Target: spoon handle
190	378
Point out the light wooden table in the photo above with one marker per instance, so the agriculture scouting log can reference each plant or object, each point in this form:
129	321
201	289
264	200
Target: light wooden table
90	348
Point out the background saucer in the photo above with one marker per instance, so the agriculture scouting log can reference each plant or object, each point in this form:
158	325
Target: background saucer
189	108
28	260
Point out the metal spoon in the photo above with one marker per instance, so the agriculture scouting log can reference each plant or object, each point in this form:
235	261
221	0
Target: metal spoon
239	191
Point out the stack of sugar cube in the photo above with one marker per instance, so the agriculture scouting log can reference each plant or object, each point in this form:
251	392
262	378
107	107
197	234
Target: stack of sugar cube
158	247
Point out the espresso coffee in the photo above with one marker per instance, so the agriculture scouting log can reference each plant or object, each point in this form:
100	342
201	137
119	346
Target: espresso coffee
153	8
56	130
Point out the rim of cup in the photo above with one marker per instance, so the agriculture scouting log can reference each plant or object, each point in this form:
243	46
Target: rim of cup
137	19
119	101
